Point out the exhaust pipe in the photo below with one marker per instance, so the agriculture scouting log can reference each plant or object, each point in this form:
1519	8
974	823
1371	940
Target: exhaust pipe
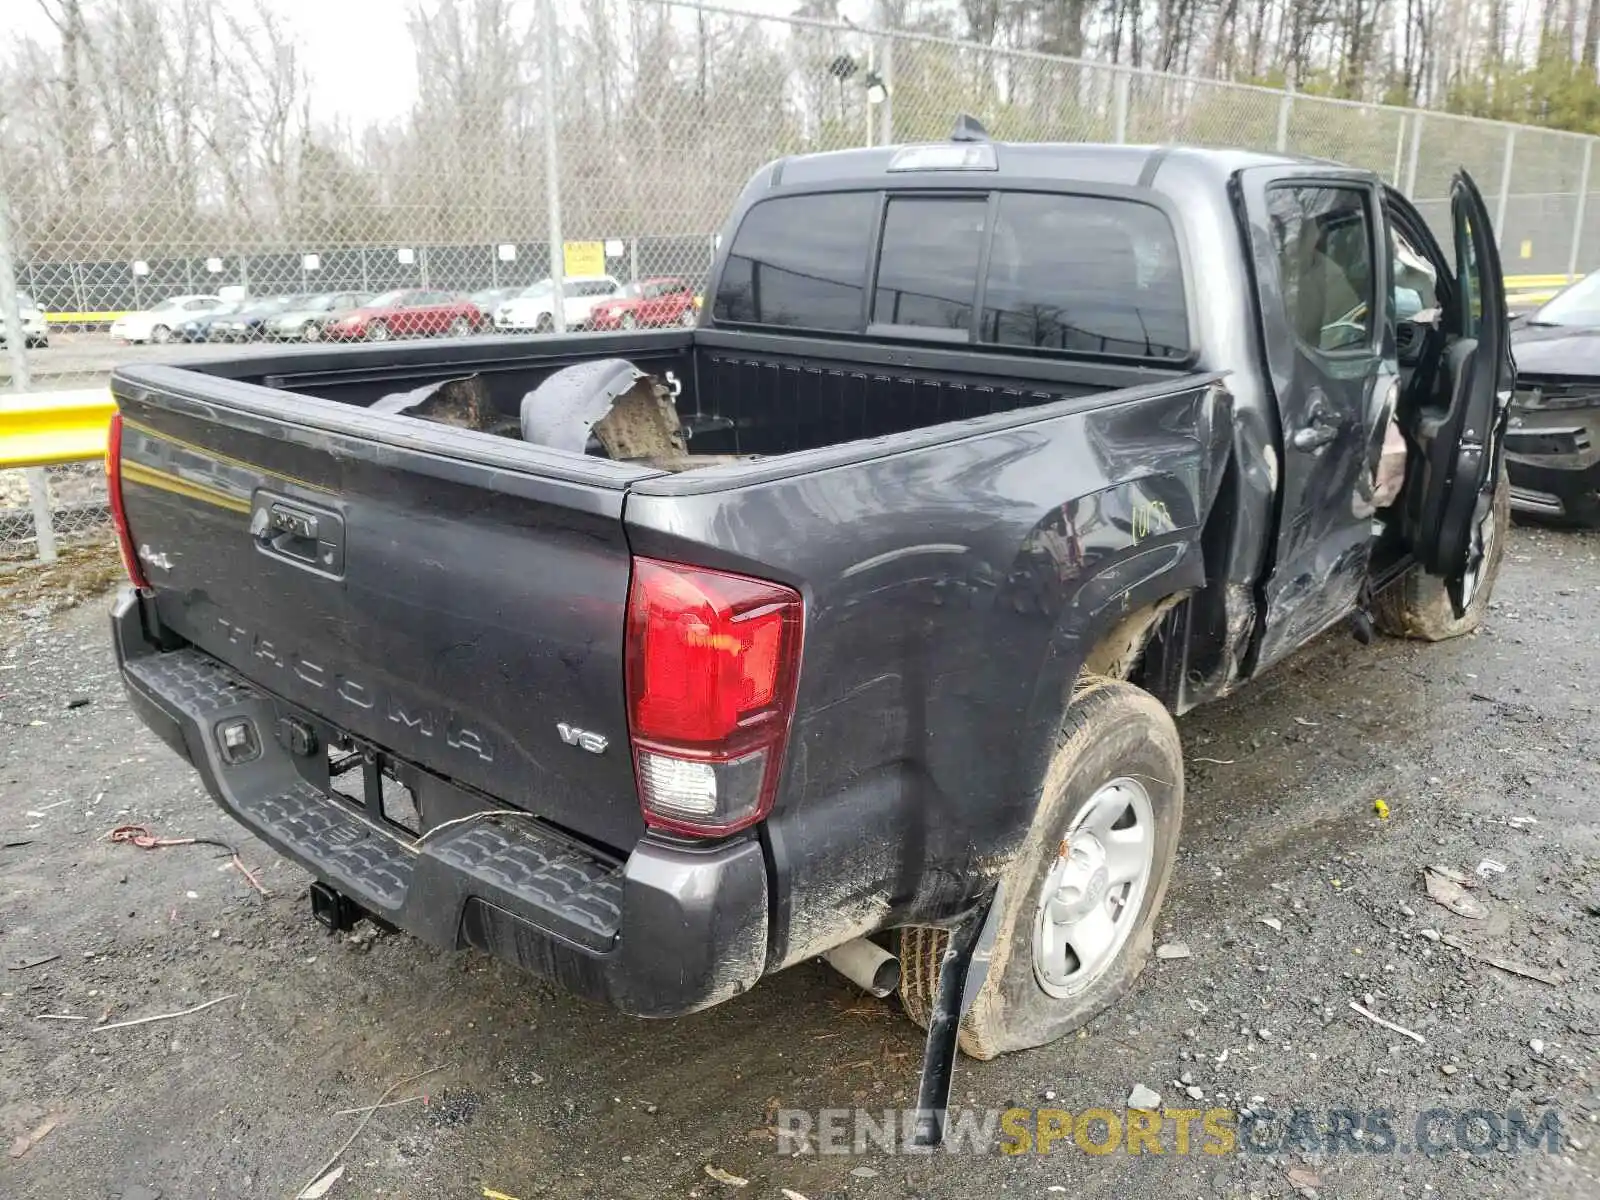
867	965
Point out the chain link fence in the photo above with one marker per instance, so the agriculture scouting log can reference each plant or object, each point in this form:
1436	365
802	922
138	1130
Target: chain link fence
169	204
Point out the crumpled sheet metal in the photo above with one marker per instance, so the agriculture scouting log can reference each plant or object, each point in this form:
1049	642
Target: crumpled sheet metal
629	411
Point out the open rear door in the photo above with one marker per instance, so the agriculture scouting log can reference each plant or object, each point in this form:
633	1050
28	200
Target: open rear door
1457	436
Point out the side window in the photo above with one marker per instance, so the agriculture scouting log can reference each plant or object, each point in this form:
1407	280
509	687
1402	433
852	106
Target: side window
1323	239
1467	278
1085	274
928	266
799	261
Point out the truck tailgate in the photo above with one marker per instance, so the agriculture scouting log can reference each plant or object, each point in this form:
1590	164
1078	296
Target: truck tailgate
457	607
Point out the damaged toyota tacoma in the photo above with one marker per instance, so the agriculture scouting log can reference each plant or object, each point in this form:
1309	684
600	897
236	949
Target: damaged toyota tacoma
849	623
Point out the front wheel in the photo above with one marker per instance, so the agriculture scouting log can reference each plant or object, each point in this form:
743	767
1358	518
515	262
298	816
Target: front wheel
689	319
545	324
310	331
460	327
1083	890
629	321
1417	605
378	331
161	335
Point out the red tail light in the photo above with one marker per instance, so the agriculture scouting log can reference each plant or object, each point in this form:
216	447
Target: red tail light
119	515
712	663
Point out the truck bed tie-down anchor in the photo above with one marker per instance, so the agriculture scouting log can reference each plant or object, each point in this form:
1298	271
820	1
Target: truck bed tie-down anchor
967	955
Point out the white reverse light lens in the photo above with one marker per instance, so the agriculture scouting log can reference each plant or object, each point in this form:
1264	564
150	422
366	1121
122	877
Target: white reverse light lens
676	786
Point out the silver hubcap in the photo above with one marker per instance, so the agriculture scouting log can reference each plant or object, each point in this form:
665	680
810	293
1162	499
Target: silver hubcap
1095	888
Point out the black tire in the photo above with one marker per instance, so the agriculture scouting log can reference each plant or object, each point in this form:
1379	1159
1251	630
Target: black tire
545	324
1417	605
1114	730
311	332
689	319
629	321
460	327
377	331
161	335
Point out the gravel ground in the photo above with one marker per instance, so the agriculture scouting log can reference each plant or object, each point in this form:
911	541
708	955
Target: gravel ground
1294	898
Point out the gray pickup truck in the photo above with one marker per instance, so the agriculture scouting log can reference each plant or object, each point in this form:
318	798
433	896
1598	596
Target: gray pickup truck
991	459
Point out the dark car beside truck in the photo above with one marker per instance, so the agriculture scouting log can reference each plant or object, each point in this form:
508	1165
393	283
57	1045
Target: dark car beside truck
1553	436
996	457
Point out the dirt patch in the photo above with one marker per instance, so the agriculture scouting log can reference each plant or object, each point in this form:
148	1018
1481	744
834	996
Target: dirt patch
83	571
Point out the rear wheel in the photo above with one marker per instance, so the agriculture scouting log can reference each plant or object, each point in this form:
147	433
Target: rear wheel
689	319
460	327
545	324
1083	891
1417	604
378	331
629	321
311	332
161	335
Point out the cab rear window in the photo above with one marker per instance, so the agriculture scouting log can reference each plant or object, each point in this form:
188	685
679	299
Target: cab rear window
1086	275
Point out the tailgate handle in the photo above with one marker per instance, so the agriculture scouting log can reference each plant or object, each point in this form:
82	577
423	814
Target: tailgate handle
299	534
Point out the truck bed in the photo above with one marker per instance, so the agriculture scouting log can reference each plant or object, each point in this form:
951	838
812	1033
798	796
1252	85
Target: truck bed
753	394
447	607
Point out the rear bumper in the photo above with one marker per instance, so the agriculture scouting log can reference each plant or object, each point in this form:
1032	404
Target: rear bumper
1553	461
668	931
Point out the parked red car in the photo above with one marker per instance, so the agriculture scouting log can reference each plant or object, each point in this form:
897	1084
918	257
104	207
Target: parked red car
406	312
653	302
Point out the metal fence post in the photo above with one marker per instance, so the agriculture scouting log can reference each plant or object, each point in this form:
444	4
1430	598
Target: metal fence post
886	109
552	162
1505	184
17	354
1410	188
1583	204
1120	85
1285	107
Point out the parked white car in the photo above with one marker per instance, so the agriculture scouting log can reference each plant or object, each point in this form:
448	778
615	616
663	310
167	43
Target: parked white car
534	308
35	330
159	323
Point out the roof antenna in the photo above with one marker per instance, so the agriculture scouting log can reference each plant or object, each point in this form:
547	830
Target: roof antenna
969	129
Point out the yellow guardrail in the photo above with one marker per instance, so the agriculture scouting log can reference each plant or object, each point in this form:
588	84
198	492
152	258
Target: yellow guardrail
48	428
83	318
1536	289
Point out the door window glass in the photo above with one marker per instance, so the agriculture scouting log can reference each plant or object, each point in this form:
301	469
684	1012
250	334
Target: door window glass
1323	239
1467	273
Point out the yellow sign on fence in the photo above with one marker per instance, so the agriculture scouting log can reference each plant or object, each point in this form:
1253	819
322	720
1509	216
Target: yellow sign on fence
583	258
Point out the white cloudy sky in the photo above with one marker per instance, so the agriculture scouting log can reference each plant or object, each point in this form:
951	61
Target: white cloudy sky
358	52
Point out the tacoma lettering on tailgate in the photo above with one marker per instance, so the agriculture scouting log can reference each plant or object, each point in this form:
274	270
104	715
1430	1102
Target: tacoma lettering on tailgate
417	718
